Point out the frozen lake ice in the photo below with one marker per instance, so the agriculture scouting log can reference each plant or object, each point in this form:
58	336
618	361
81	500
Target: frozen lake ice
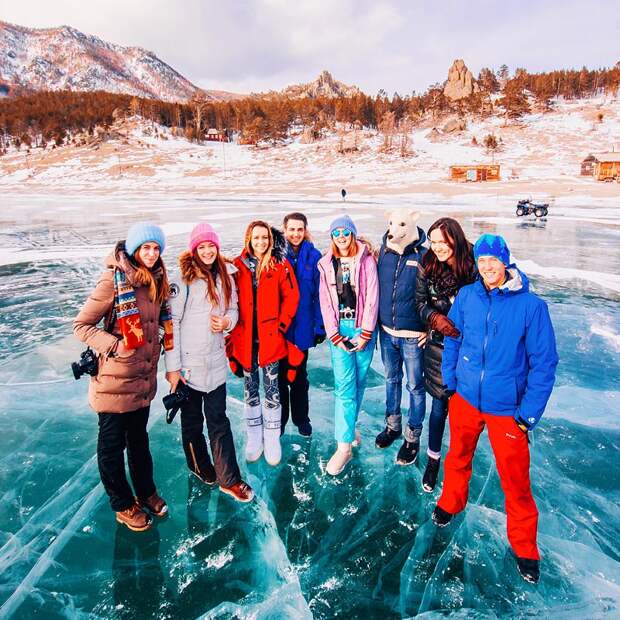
310	546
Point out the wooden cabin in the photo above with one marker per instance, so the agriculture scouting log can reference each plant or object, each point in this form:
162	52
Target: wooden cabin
216	135
587	166
607	167
475	172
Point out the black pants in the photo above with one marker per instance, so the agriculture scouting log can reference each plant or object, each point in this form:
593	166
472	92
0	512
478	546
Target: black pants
294	395
118	431
220	436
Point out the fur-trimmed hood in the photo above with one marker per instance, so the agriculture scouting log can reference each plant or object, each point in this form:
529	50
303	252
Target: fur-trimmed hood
191	271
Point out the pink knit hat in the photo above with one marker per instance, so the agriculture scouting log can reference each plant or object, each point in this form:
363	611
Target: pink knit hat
202	233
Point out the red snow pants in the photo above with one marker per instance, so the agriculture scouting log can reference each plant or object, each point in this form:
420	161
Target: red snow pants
512	457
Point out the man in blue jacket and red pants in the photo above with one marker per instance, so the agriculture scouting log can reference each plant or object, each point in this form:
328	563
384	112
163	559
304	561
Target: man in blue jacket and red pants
501	370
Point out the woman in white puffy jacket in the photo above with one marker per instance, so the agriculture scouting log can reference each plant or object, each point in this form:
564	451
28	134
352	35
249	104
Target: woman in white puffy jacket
204	309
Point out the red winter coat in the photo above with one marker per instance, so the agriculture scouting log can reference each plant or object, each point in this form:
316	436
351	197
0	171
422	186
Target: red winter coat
277	297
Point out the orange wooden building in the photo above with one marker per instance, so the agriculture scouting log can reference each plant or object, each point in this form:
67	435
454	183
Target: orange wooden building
475	172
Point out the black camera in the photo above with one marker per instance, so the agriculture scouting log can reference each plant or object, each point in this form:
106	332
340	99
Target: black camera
172	402
87	365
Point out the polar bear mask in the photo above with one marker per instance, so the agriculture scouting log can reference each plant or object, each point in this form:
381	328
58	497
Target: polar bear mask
402	228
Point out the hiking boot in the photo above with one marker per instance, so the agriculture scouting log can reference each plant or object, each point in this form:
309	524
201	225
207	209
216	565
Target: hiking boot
440	517
241	491
207	475
135	519
387	437
429	480
529	569
305	429
339	459
408	452
155	505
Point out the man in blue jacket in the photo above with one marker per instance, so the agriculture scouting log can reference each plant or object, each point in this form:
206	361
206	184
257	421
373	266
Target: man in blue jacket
402	332
306	330
501	370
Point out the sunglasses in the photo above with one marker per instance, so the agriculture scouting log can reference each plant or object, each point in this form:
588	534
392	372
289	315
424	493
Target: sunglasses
345	232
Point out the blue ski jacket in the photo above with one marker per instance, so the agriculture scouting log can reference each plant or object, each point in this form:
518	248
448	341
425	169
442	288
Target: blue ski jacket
308	321
397	282
504	361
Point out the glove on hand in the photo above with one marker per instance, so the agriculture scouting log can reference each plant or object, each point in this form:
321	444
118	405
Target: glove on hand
236	367
319	340
291	373
444	325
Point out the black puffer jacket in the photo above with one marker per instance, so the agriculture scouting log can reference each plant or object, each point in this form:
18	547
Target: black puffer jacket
436	295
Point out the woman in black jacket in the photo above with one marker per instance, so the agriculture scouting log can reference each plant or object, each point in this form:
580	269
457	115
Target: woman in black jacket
444	271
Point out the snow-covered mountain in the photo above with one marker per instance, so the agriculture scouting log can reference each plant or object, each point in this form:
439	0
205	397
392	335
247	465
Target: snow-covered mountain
65	58
324	86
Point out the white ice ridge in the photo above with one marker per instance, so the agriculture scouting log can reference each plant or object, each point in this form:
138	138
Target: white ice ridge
606	280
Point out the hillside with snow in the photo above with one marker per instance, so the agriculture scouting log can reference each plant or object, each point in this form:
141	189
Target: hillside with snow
65	58
540	155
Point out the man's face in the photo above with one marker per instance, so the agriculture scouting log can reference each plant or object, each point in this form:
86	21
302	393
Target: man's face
294	232
492	270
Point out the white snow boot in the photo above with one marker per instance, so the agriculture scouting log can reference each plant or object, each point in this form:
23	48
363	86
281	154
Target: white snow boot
339	459
254	423
271	434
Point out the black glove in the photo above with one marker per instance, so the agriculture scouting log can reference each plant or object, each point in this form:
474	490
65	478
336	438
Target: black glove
319	339
522	424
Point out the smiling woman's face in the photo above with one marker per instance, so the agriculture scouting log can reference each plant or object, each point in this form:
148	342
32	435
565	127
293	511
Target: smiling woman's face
149	253
259	241
207	252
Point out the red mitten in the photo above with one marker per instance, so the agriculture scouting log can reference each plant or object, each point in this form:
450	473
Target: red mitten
444	325
291	373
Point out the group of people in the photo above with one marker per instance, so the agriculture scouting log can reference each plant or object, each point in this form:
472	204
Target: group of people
458	318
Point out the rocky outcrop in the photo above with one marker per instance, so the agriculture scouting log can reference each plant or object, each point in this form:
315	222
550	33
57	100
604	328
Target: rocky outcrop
460	82
324	86
454	125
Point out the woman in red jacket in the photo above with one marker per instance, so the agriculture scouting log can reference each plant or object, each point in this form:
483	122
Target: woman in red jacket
268	298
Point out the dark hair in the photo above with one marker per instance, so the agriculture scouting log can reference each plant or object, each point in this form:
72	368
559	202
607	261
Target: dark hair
463	252
295	216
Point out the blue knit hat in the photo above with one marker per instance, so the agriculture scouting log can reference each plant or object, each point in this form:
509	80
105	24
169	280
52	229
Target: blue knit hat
492	245
343	221
141	233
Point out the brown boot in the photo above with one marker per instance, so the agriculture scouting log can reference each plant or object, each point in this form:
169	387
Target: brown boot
154	504
135	519
241	491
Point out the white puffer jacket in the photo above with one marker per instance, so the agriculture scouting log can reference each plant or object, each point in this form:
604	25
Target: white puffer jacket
198	352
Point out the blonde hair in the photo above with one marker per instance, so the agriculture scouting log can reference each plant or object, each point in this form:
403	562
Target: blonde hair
267	261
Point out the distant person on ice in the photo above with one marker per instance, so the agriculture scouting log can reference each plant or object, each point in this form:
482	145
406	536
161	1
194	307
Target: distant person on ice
131	297
349	294
204	309
500	370
306	330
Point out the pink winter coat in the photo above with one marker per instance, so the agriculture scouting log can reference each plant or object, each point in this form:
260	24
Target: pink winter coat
366	286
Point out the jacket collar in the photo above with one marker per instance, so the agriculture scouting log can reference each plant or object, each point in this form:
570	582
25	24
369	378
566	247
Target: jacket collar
517	282
414	246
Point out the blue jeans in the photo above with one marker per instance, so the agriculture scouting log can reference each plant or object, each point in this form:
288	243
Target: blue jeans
436	426
350	372
394	352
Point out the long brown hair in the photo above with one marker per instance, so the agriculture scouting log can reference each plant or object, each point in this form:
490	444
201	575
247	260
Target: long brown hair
159	288
454	236
209	274
267	261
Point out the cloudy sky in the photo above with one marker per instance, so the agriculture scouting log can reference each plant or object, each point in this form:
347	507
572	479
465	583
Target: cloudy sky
397	45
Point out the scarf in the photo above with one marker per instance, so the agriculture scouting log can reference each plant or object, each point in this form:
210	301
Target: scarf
128	314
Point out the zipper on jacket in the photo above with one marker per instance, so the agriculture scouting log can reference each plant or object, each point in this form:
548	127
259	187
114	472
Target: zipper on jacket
400	257
484	348
196	468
